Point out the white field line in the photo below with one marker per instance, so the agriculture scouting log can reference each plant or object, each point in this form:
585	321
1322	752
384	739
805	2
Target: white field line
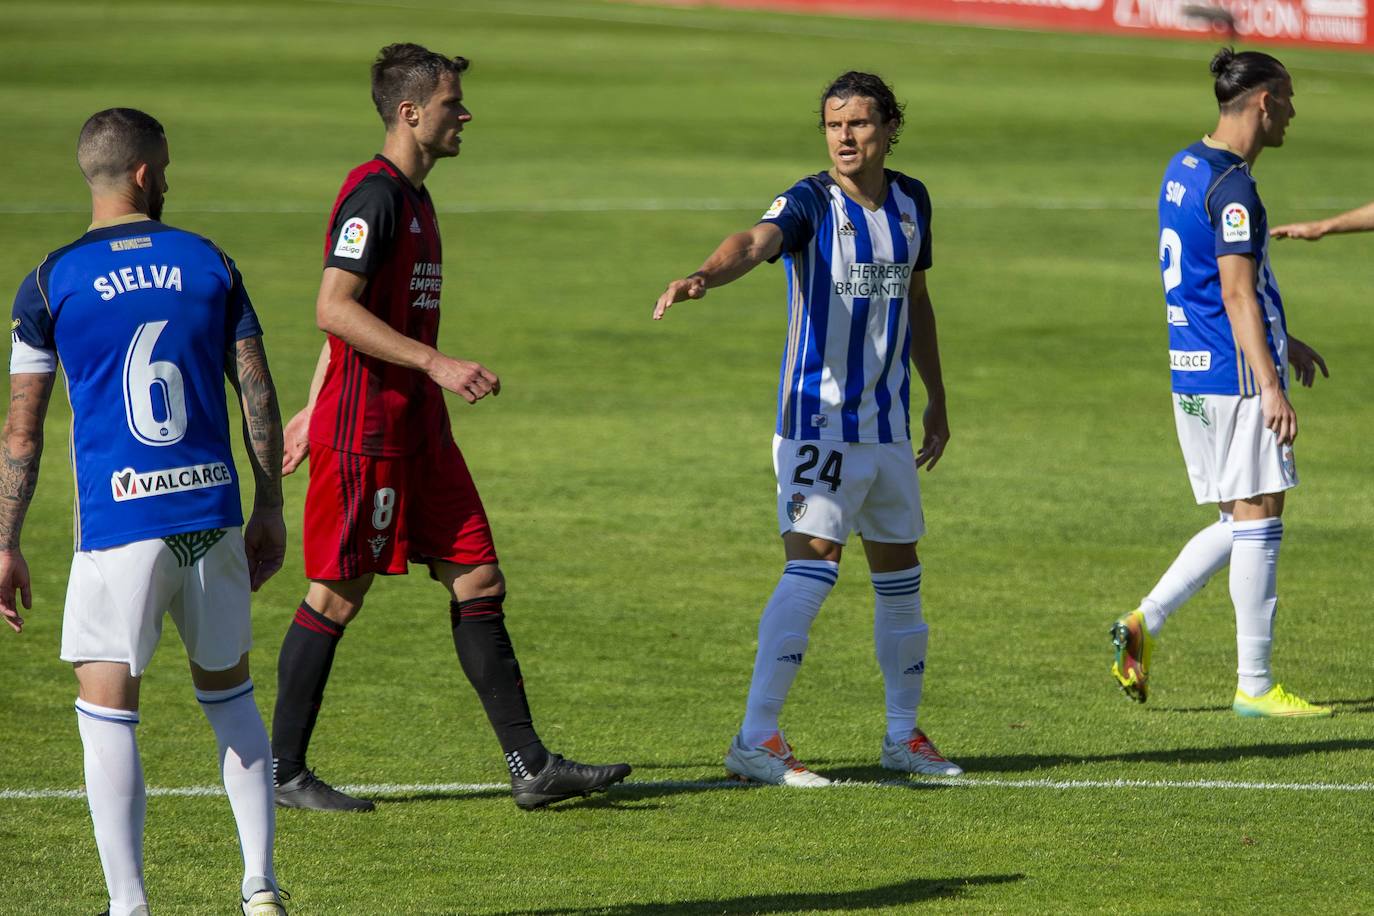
384	790
834	28
664	205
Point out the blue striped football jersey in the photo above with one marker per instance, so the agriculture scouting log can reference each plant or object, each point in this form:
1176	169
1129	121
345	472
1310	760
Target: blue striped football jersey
142	318
846	374
1209	207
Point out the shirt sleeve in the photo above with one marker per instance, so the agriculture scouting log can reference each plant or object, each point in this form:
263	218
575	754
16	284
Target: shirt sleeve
364	227
33	348
240	318
1236	213
797	212
917	191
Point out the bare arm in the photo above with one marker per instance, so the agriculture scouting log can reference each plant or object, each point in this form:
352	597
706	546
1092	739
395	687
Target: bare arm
339	311
733	258
1361	219
1238	274
296	436
925	355
264	537
22	448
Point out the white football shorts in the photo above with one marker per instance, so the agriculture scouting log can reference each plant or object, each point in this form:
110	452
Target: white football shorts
116	599
828	489
1229	452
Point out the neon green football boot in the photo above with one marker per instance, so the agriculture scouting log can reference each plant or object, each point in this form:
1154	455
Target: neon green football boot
1132	666
1275	703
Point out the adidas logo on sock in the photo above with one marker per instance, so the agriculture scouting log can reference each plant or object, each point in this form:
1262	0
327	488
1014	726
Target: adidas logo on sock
918	668
795	658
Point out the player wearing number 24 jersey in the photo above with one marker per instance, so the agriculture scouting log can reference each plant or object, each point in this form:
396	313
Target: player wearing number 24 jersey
856	245
1229	353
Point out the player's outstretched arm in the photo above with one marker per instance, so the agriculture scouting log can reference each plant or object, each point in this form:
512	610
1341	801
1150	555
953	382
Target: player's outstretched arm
925	354
1361	219
339	311
733	258
1305	362
264	537
1238	275
296	435
22	448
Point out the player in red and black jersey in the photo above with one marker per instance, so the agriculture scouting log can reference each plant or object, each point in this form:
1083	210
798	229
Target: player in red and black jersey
388	485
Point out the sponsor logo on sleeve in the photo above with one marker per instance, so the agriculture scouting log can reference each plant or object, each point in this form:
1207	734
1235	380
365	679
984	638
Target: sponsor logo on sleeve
1190	360
1190	161
352	240
1235	223
775	209
1173	193
130	484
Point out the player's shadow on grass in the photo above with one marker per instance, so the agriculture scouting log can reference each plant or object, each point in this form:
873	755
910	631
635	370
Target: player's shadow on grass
1019	763
1345	706
888	895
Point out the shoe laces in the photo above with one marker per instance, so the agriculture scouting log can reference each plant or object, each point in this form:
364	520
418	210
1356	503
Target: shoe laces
922	746
784	753
1288	699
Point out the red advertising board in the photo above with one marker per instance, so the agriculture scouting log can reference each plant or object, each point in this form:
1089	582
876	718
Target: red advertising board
1323	23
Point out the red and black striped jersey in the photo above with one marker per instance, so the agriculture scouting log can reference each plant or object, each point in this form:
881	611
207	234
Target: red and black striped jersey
384	228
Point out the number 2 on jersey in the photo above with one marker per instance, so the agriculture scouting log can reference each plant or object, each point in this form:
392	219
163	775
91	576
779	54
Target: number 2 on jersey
830	471
154	394
1172	245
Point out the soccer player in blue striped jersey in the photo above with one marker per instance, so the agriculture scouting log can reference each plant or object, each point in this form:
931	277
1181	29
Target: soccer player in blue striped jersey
147	321
855	242
1230	352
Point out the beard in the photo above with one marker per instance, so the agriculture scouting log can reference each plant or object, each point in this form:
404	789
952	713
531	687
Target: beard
155	207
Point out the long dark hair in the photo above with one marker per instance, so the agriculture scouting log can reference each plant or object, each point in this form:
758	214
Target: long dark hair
869	86
1238	74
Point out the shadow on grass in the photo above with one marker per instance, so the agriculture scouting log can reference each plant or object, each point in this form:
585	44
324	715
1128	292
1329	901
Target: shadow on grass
1346	706
907	892
1020	763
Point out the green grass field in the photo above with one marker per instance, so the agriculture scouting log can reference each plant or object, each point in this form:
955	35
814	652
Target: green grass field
626	468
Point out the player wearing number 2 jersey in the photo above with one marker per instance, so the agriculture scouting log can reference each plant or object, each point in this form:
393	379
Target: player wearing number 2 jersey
388	485
1229	351
146	321
856	245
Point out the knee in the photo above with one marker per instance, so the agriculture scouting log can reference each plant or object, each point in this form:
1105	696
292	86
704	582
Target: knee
480	582
336	601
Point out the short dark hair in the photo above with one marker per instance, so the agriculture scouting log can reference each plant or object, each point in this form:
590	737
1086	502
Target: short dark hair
409	73
1238	74
869	86
115	141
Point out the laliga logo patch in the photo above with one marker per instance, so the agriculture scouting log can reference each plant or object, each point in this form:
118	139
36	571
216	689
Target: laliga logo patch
352	240
1235	223
777	207
796	507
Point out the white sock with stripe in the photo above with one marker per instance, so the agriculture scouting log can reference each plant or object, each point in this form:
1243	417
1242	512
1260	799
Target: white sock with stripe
900	638
1254	592
1201	558
245	760
783	630
117	798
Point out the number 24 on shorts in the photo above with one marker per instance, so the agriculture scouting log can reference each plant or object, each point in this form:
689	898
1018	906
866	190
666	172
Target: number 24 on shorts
830	470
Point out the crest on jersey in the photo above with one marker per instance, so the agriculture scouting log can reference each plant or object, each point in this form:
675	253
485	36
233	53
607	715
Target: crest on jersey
796	506
908	226
775	209
1235	223
377	544
352	239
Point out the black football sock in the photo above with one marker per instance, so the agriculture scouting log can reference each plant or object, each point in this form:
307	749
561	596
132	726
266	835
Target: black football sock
488	660
303	666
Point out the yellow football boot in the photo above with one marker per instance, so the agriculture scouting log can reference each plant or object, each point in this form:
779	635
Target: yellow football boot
1275	703
1132	666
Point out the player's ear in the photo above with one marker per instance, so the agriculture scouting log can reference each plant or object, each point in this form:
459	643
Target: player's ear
408	113
141	176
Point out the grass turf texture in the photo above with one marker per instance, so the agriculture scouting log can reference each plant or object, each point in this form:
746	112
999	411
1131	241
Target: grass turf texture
626	468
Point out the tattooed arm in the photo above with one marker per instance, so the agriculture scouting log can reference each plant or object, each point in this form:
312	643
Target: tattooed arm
264	537
20	450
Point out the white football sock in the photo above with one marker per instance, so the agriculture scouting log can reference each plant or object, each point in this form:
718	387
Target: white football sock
1201	558
118	801
783	632
1254	592
245	758
900	636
